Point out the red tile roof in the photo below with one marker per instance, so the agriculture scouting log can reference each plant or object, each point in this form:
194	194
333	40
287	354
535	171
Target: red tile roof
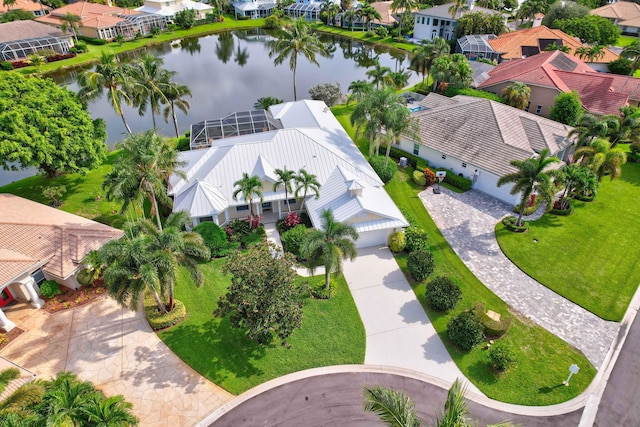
93	15
28	5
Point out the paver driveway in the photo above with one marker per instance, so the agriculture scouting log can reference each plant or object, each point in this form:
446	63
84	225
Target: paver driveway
116	350
467	221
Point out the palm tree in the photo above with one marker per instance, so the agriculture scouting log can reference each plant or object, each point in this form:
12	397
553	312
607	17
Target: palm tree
393	407
331	245
399	79
590	53
306	183
248	186
109	74
588	128
37	60
624	128
173	249
150	82
532	177
369	13
426	53
517	95
455	7
632	52
358	89
70	22
331	9
67	400
555	46
570	175
602	159
379	74
285	179
265	102
455	408
396	120
407	6
142	169
369	114
294	41
174	94
10	4
111	412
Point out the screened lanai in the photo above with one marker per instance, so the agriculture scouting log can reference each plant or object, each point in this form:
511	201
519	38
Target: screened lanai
21	49
476	46
308	11
142	23
240	123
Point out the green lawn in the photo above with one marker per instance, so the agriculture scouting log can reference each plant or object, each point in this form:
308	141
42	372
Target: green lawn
588	257
624	41
331	334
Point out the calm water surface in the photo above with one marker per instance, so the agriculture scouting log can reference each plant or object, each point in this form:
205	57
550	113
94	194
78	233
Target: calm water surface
228	72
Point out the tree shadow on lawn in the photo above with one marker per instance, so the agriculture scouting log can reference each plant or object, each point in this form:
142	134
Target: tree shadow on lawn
215	349
549	221
483	372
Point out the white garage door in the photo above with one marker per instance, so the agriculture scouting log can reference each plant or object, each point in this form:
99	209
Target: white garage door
372	238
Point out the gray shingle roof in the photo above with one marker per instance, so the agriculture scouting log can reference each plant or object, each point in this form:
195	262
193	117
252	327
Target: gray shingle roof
21	30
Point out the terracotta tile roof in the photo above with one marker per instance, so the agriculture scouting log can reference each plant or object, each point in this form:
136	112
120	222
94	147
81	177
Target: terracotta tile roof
93	15
486	133
620	10
31	232
20	30
510	44
27	5
384	9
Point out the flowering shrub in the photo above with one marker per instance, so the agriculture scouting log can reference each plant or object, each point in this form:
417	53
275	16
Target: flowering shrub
291	220
430	177
256	221
532	201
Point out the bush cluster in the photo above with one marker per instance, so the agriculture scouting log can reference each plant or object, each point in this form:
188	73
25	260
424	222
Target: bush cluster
214	237
6	66
465	330
385	172
382	31
84	277
417	239
442	294
291	220
321	291
510	224
412	159
161	321
420	264
457	181
90	40
397	242
532	205
292	239
419	178
429	177
557	209
49	289
502	357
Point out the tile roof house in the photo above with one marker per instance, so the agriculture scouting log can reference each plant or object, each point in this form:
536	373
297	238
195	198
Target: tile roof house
532	41
551	73
311	139
437	21
19	39
39	242
35	7
625	14
100	21
477	138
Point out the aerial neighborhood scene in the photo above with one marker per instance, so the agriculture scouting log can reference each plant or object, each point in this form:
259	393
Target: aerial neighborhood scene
319	212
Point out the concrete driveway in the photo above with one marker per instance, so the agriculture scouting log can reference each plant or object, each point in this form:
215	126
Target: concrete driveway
399	333
116	350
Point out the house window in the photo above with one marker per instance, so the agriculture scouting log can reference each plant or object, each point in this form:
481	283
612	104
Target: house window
428	19
538	109
290	202
242	208
464	165
528	106
423	20
416	149
435	22
444	157
205	219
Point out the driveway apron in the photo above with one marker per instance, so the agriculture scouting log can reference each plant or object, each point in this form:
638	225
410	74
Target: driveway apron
467	221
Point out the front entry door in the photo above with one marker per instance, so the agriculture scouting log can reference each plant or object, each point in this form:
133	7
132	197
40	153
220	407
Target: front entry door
5	297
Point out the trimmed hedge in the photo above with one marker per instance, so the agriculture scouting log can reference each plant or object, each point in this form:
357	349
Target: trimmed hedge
412	159
465	330
457	181
416	238
492	328
385	172
529	210
321	291
161	321
420	264
292	240
214	237
90	40
510	224
562	212
442	294
419	178
397	242
49	289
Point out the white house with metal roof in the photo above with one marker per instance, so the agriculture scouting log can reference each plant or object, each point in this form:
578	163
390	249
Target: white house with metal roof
478	138
437	21
311	139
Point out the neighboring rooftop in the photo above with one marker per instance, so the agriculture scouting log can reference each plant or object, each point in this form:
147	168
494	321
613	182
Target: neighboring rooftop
93	15
442	11
27	5
623	13
22	30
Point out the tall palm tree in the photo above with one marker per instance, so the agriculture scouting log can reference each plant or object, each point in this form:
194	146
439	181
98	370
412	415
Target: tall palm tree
379	74
369	13
285	180
265	102
632	52
358	89
588	128
331	9
113	411
455	7
399	79
111	75
174	94
393	407
624	128
453	69
426	53
173	249
405	6
517	95
69	22
369	114
602	159
306	183
67	400
294	41
396	121
531	177
570	175
150	83
330	245
143	168
249	186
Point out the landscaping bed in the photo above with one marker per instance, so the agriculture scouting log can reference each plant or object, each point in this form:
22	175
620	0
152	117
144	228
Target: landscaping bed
69	298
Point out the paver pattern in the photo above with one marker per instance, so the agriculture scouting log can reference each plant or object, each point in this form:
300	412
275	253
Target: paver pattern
467	221
116	350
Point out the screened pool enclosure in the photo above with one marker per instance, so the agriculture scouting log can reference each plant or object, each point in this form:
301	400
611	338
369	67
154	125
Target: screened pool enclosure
203	134
20	49
477	46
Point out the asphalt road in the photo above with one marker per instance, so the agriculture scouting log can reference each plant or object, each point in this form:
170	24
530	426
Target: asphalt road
620	403
336	400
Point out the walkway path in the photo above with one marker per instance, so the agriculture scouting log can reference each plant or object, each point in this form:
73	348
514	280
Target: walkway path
116	350
467	221
399	333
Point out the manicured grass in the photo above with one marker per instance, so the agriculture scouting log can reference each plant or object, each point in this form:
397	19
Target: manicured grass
588	257
361	35
543	359
624	41
84	195
331	334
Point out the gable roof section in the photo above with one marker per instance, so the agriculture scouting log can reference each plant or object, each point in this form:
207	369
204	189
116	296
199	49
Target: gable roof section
200	199
488	134
30	231
623	12
511	44
264	170
93	15
28	5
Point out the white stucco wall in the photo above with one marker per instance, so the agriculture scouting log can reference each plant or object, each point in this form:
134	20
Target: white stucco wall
70	282
423	28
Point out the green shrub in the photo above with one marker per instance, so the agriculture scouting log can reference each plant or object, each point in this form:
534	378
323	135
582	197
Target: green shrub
457	181
214	237
6	376
419	179
236	229
465	330
292	239
161	321
184	144
49	289
243	18
420	264
80	47
257	235
382	31
532	206
369	33
562	212
417	239
408	215
272	22
492	328
90	40
397	242
6	66
502	357
510	224
452	91
84	277
384	171
442	294
321	291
